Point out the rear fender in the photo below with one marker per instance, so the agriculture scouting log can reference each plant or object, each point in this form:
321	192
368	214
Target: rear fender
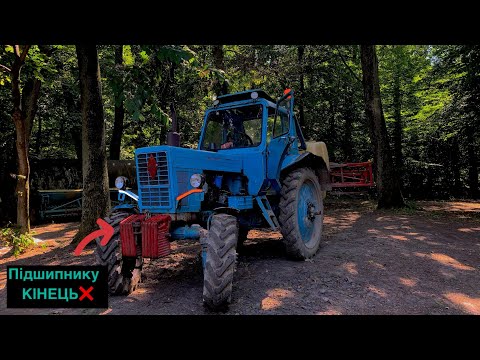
307	159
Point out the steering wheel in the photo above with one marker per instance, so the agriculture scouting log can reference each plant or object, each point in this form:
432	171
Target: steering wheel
245	136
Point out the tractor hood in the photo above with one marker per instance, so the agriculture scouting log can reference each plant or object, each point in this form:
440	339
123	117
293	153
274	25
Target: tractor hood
197	159
163	173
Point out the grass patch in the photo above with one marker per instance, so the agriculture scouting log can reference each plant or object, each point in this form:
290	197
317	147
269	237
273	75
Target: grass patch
11	236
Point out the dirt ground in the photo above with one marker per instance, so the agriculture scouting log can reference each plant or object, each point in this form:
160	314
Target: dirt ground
416	261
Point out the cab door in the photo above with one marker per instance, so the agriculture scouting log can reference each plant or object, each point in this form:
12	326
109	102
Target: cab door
282	135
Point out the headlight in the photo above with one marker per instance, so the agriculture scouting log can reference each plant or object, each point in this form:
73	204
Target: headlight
197	180
121	182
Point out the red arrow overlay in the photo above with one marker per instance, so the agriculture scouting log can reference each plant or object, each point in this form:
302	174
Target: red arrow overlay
105	230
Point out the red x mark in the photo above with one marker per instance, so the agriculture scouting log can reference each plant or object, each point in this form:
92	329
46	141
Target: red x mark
86	293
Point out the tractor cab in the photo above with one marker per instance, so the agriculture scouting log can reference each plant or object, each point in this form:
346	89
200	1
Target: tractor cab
248	119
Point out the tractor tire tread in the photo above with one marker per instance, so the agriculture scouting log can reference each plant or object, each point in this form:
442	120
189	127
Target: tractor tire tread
124	275
220	263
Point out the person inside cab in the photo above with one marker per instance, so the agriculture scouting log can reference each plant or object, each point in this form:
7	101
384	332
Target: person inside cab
229	143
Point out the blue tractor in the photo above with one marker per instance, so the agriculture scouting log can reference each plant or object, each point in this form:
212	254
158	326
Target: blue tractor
252	169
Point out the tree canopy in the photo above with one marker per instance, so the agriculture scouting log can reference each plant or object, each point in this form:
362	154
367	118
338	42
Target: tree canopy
430	97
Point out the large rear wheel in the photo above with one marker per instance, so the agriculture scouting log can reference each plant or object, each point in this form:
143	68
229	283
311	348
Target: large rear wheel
124	273
301	213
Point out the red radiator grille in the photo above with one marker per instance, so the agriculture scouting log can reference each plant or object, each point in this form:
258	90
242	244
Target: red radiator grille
127	234
155	232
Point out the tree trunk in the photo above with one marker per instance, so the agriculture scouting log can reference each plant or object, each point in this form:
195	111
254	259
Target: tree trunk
389	193
300	97
218	62
23	174
8	208
19	117
332	134
173	98
38	141
76	127
472	162
349	115
30	94
455	167
397	130
95	199
76	134
116	141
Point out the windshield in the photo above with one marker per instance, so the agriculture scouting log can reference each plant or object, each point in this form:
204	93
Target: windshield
233	128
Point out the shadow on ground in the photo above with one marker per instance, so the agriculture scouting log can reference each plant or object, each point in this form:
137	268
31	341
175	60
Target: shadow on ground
371	262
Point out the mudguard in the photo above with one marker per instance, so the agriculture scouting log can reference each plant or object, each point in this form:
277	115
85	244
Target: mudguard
315	150
316	156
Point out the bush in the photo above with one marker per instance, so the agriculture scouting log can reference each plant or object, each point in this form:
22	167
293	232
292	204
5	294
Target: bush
10	236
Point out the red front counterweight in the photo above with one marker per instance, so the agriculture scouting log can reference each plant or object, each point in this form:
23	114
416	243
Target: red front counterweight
127	234
153	236
155	233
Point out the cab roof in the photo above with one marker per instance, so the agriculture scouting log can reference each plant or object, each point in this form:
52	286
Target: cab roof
244	95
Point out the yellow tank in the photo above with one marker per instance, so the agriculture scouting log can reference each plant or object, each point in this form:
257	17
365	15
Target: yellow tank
320	149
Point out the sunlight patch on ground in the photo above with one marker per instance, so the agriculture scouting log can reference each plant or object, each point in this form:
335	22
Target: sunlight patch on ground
469	304
342	222
275	297
265	234
377	291
376	264
473	206
351	268
390	218
408	282
399	237
445	260
468	230
330	311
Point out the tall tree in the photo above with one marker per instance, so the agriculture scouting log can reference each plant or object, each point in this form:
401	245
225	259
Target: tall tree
24	110
95	199
389	193
349	118
219	86
301	111
472	158
461	65
119	97
470	56
397	116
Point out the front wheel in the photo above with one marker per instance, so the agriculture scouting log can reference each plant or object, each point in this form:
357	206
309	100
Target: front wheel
124	273
301	213
221	243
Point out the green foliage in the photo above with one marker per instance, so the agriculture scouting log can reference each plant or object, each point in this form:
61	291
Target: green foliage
145	86
438	86
10	236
